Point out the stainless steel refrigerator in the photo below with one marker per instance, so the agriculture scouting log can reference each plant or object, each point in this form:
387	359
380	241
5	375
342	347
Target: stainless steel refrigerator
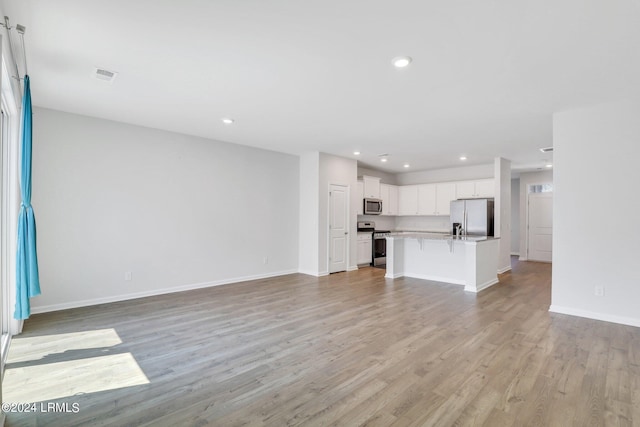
475	216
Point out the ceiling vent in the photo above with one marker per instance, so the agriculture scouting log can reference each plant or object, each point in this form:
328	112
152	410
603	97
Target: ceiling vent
547	150
105	75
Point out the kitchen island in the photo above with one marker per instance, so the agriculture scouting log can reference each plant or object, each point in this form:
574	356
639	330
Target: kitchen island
471	261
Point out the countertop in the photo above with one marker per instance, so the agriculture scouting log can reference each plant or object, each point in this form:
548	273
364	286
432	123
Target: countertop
439	236
447	231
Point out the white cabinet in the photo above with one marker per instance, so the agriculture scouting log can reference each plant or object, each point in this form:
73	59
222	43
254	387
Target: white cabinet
435	199
393	200
389	197
408	200
475	189
485	188
465	189
360	190
384	196
427	199
365	254
371	187
417	199
445	193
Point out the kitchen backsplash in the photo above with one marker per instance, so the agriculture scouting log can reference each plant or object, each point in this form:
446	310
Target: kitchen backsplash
382	222
408	223
422	223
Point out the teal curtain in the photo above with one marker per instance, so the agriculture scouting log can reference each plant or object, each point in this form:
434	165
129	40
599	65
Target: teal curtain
27	280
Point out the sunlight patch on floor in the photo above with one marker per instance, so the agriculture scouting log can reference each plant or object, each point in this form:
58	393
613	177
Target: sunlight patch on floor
47	367
57	380
26	349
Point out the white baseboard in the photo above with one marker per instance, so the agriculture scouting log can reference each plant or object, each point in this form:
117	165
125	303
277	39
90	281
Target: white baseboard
631	321
450	281
135	295
352	268
314	273
308	272
522	258
436	278
515	253
504	270
481	287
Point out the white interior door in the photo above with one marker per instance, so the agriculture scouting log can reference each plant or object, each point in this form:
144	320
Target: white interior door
338	228
540	232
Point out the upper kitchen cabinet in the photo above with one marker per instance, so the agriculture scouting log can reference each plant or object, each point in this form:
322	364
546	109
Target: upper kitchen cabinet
465	189
421	200
435	199
360	190
393	200
482	188
445	193
486	188
408	200
427	199
389	196
371	187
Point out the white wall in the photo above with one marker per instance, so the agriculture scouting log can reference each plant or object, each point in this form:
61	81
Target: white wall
596	176
309	219
444	175
503	212
176	211
515	216
527	179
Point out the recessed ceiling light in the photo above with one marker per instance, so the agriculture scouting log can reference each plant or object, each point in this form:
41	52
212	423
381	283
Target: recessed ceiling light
463	158
227	121
548	165
401	61
383	160
356	153
406	165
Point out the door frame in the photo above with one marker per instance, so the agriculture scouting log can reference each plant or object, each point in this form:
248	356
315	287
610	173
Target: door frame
9	206
328	234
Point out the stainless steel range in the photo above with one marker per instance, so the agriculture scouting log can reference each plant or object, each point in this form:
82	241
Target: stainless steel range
379	246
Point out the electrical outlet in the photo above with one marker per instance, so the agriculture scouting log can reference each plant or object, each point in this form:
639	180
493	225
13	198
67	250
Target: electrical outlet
265	260
599	291
127	276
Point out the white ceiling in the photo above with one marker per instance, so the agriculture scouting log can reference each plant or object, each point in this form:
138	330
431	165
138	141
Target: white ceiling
316	74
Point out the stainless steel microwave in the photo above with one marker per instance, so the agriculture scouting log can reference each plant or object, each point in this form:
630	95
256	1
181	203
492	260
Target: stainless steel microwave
372	206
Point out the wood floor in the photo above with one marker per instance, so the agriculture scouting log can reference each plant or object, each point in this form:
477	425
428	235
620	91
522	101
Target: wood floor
349	349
